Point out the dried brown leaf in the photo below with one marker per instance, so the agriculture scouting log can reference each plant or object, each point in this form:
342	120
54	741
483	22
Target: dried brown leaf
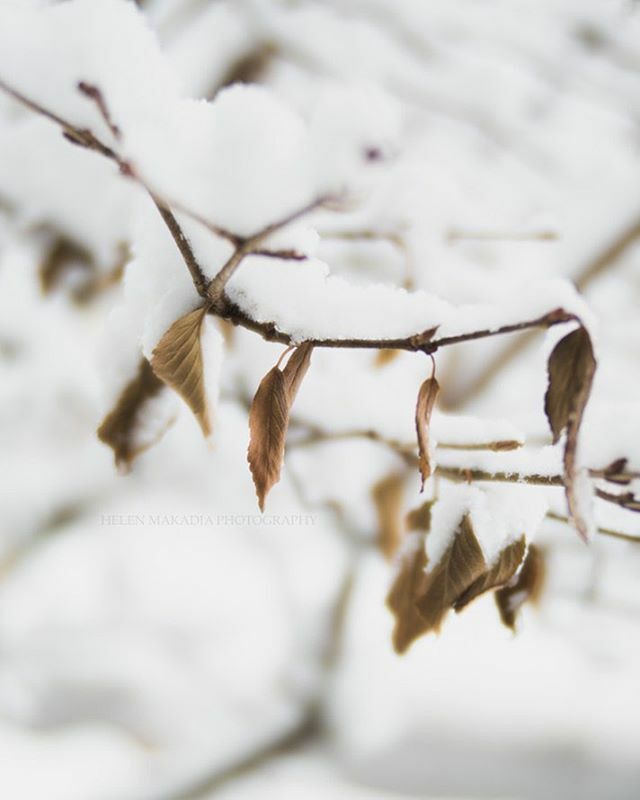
388	495
499	574
295	370
461	565
525	587
269	420
572	366
419	519
407	587
424	407
119	427
177	361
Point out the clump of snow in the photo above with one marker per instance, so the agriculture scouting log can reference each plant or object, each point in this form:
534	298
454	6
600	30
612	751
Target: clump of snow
240	161
543	461
305	300
46	52
68	188
499	516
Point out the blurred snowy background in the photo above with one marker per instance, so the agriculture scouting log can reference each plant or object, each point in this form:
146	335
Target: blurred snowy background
158	637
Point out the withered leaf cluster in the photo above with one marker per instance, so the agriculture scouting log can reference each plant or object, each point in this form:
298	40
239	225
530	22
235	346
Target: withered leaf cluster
177	362
421	597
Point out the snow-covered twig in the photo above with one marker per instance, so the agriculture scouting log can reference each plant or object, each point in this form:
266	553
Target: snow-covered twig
213	291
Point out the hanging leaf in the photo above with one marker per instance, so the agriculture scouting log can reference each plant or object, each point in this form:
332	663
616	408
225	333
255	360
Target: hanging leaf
460	566
421	598
571	369
269	420
500	573
177	361
388	495
407	587
120	428
424	407
295	370
525	587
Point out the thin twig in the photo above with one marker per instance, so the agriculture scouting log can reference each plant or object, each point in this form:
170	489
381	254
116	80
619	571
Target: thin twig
464	474
456	235
200	280
80	136
317	435
249	245
627	500
418	342
94	94
627	537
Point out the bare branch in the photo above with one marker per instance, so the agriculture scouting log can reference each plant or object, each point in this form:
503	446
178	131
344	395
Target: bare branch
93	93
198	277
80	136
627	537
418	342
251	244
627	500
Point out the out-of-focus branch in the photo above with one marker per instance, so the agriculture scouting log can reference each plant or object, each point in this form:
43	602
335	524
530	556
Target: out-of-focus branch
627	500
627	537
605	259
208	785
407	450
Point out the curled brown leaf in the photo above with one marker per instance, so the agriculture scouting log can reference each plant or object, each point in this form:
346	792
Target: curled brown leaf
295	369
525	587
571	368
119	428
461	565
501	572
424	407
269	420
407	587
177	361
